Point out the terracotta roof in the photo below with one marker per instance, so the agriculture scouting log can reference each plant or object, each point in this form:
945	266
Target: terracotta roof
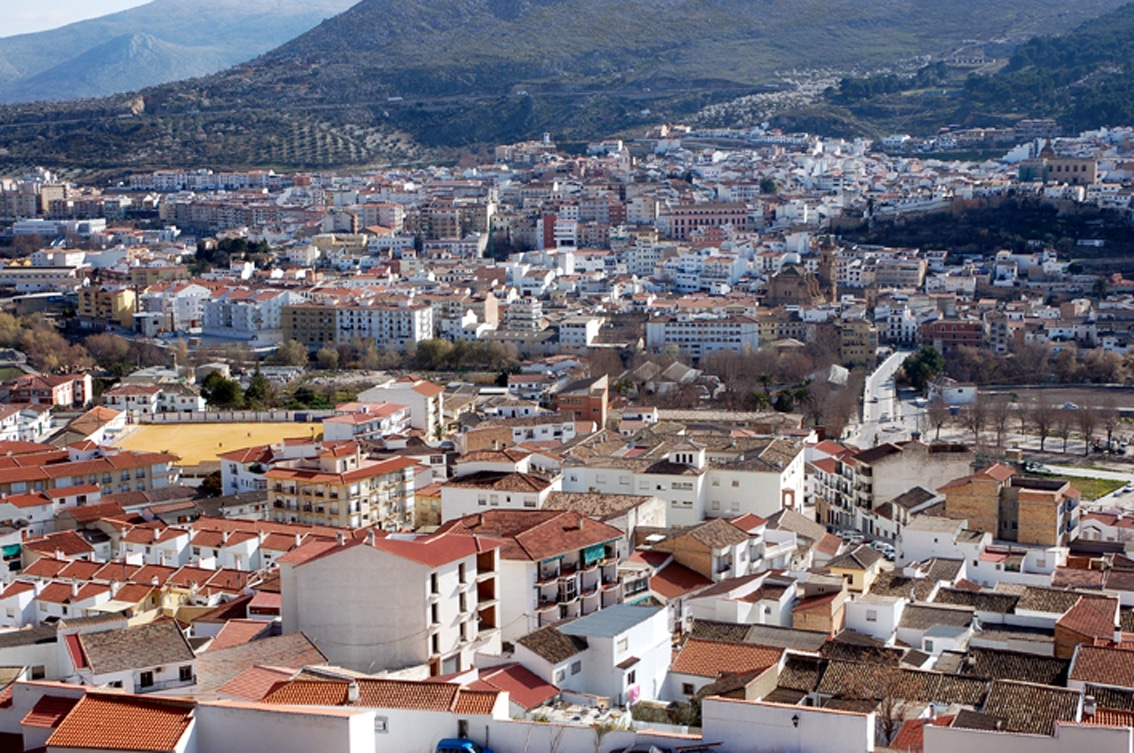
712	659
1101	665
911	737
523	686
1110	718
255	682
533	534
49	711
675	580
124	722
392	694
481	702
1091	616
237	632
512	481
996	664
859	558
215	668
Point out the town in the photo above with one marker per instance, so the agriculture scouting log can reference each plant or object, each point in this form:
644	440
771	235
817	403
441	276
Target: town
619	446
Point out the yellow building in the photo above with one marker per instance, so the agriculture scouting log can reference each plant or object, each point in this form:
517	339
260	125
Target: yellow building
343	488
858	567
107	304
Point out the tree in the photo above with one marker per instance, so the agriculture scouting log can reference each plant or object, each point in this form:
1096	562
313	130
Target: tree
290	353
1110	418
975	416
768	185
222	393
938	415
1088	419
110	352
327	358
1064	425
999	416
10	330
1042	417
211	485
921	368
259	393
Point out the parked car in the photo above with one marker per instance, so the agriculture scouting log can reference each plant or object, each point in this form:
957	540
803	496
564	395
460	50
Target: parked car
460	745
856	539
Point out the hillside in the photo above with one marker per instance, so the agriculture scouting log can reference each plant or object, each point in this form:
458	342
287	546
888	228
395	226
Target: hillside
164	40
1084	79
411	79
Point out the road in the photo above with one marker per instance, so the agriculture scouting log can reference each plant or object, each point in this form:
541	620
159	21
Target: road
897	412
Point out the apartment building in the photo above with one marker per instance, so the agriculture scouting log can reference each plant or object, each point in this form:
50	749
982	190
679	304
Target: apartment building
425	400
57	390
34	468
486	490
849	487
585	399
698	335
684	219
558	564
340	487
104	305
1038	511
388	326
426	604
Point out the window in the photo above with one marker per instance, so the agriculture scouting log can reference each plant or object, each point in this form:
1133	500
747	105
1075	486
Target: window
461	573
872	615
146	679
716	504
560	675
687	688
735	483
435	614
622	645
630	677
185	673
576	667
435	643
433	583
929	646
381	724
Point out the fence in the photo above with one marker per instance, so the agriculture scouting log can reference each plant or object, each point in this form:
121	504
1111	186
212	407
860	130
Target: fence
233	417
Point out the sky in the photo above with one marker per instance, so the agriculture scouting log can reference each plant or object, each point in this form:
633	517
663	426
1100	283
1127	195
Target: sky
21	17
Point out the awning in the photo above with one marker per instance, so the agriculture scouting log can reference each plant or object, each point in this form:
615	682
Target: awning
594	554
10	550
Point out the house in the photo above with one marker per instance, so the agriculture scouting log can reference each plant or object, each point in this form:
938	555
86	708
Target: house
555	565
859	567
876	615
700	663
140	659
759	599
1015	508
358	421
425	603
424	399
585	399
488	490
63	390
621	653
120	722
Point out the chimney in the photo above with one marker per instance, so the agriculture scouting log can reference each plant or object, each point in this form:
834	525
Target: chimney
161	559
370	537
298	539
1089	706
155	582
74	588
114	586
224	537
341	538
352	692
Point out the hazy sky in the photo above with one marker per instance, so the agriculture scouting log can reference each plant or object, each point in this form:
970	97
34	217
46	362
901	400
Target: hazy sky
20	17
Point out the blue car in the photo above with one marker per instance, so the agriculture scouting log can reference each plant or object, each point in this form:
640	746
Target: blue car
458	745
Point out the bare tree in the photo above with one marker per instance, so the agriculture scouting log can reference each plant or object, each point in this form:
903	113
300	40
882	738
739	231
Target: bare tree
1088	417
1110	418
1042	417
999	414
938	413
1064	425
974	417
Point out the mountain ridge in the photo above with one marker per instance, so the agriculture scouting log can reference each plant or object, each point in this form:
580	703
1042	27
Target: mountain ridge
395	81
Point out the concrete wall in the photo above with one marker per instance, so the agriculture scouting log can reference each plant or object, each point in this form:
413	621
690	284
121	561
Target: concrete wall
1067	739
752	726
237	726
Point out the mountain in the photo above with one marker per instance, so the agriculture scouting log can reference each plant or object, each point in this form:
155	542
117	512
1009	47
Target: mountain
413	79
164	40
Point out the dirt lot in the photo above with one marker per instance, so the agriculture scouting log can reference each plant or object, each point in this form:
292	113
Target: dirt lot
197	443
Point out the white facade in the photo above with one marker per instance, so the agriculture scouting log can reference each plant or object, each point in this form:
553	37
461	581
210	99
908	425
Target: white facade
738	724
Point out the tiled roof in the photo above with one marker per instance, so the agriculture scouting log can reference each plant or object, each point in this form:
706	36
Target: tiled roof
238	632
481	702
1068	577
860	558
523	686
995	664
552	645
1031	708
152	645
675	580
1100	665
392	694
255	682
533	534
123	722
712	659
801	673
1091	616
598	506
1111	698
981	601
1110	718
215	668
48	711
1047	600
926	616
